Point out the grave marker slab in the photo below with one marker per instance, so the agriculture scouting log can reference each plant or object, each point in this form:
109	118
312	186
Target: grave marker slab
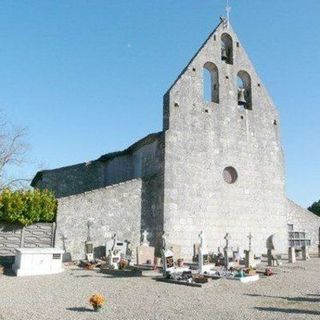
145	255
292	255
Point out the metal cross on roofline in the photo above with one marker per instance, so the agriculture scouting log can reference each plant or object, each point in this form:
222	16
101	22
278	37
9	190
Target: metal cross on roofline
228	10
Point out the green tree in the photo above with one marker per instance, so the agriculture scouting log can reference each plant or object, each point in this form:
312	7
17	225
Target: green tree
315	208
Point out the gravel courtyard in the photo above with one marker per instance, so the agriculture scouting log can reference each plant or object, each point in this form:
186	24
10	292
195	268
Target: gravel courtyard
294	293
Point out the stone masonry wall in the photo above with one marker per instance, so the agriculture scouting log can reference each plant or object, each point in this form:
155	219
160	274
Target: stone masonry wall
304	221
202	138
73	179
116	207
143	159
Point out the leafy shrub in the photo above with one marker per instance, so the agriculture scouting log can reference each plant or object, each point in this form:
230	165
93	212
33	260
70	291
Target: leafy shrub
27	206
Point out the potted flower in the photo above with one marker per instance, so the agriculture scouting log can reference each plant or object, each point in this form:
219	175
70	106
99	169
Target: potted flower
123	264
250	271
180	262
268	272
97	301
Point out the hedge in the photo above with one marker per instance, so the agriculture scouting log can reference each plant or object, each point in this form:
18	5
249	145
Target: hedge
27	206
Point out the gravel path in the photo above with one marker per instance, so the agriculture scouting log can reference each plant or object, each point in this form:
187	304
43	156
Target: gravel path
294	293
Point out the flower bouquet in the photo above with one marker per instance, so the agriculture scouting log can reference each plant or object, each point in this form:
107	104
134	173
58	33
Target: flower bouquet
123	264
97	301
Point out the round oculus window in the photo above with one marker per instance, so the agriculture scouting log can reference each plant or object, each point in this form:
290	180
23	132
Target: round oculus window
230	175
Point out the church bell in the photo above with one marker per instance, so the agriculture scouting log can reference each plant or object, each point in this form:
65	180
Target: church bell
241	97
224	55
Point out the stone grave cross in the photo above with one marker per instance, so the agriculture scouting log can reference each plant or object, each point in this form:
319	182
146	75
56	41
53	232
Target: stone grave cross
90	222
227	254
249	256
203	254
250	238
201	236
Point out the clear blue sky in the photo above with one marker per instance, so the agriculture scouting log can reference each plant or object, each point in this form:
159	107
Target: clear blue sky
87	77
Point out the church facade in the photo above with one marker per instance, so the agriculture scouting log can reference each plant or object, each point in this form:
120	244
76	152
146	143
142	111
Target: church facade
217	166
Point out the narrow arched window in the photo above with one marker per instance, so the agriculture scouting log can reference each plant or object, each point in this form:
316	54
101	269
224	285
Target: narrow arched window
211	82
244	90
226	48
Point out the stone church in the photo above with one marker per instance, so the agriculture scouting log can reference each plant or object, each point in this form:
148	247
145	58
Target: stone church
217	166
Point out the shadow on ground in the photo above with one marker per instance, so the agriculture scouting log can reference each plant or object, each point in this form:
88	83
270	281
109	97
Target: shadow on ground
290	311
80	309
9	273
297	299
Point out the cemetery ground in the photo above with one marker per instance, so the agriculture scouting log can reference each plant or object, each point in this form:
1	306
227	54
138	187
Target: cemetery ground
294	293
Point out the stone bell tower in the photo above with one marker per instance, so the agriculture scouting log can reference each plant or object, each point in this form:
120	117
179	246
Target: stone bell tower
223	162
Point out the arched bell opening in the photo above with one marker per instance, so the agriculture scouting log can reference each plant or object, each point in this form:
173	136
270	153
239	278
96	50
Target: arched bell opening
226	48
211	82
244	90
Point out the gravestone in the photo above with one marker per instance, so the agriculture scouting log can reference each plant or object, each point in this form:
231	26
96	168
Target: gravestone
115	244
114	258
203	257
37	261
168	262
196	247
239	253
305	253
237	257
292	255
167	257
145	253
249	259
219	258
271	251
176	249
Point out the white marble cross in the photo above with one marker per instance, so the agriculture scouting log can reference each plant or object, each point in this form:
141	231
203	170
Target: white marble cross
145	240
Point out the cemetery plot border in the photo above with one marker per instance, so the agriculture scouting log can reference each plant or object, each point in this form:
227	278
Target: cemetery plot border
184	283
